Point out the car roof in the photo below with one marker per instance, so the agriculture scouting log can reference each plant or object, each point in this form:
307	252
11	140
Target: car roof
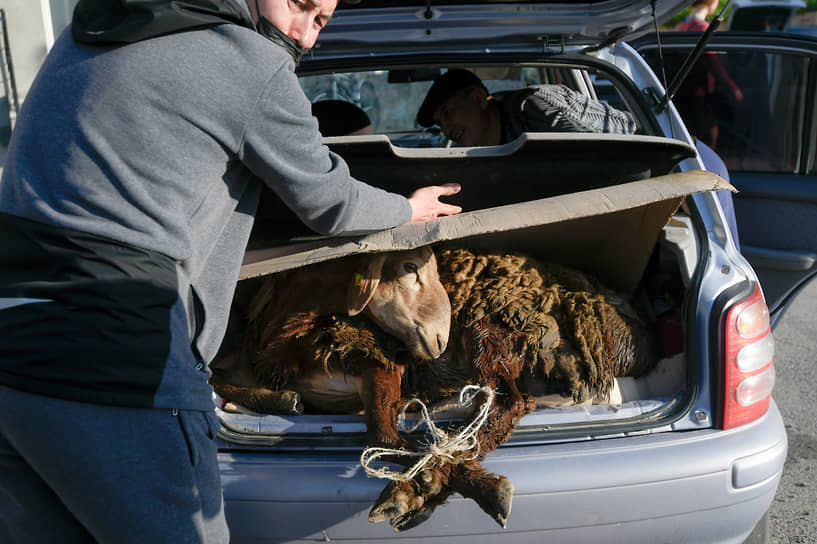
752	14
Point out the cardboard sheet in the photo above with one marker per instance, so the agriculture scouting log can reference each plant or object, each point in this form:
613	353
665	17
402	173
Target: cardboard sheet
609	231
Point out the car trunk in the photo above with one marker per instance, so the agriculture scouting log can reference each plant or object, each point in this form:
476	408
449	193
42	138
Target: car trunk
607	205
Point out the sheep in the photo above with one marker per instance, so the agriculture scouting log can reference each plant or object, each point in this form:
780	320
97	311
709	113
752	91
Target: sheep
516	323
574	334
277	369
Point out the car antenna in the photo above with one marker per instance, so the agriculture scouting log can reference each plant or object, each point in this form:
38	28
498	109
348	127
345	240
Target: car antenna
691	59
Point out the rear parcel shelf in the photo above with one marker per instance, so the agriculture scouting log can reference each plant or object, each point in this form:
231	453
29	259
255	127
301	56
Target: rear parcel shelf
530	168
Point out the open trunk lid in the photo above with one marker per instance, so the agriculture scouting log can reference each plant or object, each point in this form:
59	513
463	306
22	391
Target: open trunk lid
593	23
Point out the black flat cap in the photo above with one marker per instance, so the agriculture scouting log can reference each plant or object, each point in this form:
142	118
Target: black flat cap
338	117
443	88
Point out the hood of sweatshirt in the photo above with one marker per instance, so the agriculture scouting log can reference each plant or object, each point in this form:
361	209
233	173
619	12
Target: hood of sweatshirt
127	21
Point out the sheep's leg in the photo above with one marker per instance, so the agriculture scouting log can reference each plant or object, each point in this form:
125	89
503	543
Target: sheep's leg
487	350
257	399
408	504
492	492
380	393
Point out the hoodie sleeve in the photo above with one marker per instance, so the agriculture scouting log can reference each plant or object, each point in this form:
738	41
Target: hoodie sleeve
282	146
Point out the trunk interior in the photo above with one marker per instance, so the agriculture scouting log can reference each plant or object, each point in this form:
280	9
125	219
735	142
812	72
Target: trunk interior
609	206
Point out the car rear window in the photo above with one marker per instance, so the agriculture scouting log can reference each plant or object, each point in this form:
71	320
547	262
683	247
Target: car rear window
391	98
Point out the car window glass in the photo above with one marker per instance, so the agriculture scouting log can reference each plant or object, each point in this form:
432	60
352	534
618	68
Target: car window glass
364	89
747	105
607	92
392	104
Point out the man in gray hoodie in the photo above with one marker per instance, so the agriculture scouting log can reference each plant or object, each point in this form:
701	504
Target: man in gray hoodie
126	202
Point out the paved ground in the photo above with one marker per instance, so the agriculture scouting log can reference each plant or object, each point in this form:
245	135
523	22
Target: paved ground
794	510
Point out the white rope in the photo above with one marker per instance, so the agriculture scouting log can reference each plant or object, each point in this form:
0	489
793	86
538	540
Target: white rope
440	445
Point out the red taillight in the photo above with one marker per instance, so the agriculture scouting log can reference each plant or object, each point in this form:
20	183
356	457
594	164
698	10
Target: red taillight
749	372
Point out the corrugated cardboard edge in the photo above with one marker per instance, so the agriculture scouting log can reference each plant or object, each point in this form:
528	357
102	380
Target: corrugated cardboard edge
670	190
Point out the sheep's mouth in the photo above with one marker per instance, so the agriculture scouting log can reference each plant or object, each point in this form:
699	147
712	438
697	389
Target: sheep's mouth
427	350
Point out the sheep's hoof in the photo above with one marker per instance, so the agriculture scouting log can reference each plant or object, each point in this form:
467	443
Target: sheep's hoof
408	504
280	402
396	499
411	519
582	395
402	502
291	401
498	502
235	408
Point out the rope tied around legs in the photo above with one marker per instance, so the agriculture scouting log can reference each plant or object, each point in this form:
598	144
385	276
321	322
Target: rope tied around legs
440	445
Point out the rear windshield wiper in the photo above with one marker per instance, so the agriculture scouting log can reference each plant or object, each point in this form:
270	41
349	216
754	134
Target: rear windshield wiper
691	59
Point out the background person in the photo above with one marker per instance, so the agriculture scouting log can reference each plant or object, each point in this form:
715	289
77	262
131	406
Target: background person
469	115
713	163
701	99
126	201
341	118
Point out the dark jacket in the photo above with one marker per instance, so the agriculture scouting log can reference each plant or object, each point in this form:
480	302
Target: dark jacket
557	108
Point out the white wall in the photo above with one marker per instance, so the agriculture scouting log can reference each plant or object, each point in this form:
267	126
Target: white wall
25	21
32	26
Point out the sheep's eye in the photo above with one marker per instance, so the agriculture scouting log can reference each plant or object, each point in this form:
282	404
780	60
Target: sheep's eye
411	268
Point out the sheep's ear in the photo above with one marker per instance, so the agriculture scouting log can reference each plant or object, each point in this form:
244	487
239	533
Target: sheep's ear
364	284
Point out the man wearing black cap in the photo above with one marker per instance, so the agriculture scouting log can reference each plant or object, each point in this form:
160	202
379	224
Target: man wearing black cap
469	115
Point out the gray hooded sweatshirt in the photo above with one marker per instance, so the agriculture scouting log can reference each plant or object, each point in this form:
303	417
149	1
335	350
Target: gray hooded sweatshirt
127	200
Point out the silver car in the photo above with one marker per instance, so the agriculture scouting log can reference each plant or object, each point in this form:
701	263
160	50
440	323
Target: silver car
694	455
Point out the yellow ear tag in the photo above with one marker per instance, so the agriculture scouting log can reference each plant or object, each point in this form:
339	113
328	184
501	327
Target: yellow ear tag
358	279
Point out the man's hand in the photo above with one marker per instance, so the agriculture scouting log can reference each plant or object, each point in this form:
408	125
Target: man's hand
425	202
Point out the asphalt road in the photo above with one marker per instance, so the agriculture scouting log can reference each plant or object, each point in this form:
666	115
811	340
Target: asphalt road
793	517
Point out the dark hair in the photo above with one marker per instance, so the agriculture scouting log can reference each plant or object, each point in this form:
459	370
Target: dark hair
444	87
338	117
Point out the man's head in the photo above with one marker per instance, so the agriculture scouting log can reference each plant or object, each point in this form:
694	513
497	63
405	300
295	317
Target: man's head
301	20
459	103
341	118
709	5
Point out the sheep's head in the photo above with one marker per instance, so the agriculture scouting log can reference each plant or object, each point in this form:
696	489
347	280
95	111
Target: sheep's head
402	292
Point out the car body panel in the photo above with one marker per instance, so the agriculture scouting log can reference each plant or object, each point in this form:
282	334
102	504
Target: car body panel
776	206
681	485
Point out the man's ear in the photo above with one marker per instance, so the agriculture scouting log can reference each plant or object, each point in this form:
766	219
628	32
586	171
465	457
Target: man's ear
364	283
480	96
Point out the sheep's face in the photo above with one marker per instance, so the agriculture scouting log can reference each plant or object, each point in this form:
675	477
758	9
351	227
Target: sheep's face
410	302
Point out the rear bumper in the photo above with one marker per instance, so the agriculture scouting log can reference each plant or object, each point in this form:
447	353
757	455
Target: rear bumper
694	486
